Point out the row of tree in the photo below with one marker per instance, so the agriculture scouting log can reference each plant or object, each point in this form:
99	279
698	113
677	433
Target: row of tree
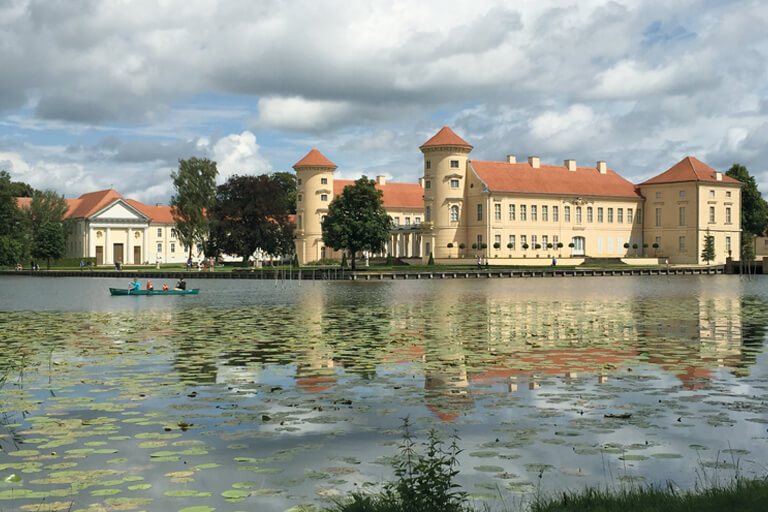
38	232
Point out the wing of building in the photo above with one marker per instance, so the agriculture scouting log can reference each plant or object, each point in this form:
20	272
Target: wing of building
507	211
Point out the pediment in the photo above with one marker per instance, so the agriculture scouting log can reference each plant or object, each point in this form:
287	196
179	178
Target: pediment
119	210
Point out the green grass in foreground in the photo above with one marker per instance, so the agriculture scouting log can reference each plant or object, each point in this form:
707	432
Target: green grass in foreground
744	496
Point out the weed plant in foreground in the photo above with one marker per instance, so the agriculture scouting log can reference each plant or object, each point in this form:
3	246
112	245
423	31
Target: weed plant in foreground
741	496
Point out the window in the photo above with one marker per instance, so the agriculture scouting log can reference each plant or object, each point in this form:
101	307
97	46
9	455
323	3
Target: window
397	221
658	241
454	183
544	213
682	193
323	197
428	164
511	242
658	217
298	221
544	241
639	216
610	215
428	184
522	212
555	214
681	243
599	214
589	213
511	212
323	181
567	214
497	211
727	214
298	181
159	232
497	241
427	213
658	195
727	193
629	215
407	221
728	245
417	221
454	213
711	193
322	219
533	213
534	241
711	214
173	233
159	247
578	215
479	241
620	215
681	215
555	240
298	198
454	164
173	247
480	212
523	241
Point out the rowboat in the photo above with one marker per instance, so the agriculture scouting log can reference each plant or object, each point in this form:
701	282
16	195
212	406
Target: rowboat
123	291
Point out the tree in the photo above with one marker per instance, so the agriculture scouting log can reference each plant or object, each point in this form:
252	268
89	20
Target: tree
49	242
708	252
11	224
357	220
747	247
195	186
287	181
249	214
21	189
47	207
754	209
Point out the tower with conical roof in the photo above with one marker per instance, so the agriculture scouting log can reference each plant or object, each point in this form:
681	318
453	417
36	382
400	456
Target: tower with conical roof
314	192
445	181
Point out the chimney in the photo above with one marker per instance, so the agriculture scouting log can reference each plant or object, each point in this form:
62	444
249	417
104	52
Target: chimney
421	182
601	166
511	159
718	176
570	164
381	181
534	162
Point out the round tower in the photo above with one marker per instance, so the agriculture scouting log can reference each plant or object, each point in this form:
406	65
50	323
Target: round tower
314	192
445	180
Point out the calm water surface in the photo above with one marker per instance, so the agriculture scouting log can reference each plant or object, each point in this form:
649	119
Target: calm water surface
268	395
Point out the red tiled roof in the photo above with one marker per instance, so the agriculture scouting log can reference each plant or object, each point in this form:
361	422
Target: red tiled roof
395	195
90	203
445	137
157	214
314	159
552	179
689	169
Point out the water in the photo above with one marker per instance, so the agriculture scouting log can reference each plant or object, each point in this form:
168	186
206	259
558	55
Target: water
269	394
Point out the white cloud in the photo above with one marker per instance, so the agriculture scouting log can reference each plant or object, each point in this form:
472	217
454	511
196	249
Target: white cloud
238	154
569	129
299	114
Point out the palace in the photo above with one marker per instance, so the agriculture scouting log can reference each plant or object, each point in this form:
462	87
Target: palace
516	212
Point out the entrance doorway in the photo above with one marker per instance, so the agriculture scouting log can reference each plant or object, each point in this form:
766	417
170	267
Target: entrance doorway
578	246
117	253
137	255
99	255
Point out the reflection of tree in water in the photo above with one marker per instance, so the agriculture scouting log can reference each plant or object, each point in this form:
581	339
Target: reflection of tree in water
754	330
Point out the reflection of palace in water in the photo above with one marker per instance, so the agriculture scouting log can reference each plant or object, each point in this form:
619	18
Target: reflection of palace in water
459	341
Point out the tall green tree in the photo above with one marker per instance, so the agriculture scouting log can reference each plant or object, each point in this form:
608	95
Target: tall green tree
195	192
754	209
49	242
708	251
357	220
12	242
47	206
747	246
250	214
287	181
21	189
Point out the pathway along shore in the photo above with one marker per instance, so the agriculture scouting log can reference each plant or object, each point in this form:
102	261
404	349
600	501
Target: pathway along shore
337	274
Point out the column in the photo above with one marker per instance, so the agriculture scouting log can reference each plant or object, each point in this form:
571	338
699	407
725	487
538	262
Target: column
129	248
108	257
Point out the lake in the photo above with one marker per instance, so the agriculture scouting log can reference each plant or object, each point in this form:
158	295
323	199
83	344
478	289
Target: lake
270	395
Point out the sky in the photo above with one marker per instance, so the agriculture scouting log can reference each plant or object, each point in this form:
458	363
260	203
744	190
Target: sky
98	94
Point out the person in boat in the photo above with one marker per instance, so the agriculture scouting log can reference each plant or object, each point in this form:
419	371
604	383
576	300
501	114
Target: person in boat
181	284
135	285
149	286
165	287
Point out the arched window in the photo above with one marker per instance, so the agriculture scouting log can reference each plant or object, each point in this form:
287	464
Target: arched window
454	213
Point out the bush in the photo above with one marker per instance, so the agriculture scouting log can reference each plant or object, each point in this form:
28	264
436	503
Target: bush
431	261
509	245
484	245
496	245
389	260
344	260
474	245
462	246
450	245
